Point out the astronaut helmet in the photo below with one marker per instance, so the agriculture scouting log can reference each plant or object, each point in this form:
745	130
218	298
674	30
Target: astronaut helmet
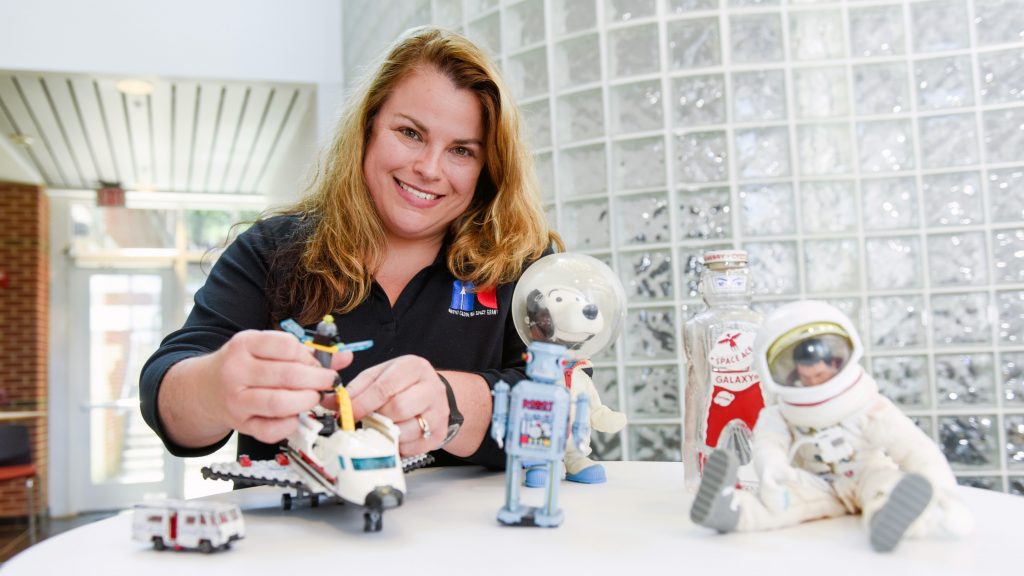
807	353
569	299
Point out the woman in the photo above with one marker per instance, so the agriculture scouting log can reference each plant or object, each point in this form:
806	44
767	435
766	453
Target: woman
422	217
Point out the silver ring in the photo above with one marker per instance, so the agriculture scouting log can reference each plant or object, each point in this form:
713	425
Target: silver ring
424	427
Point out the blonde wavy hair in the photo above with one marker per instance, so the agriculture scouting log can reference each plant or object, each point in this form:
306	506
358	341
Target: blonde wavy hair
342	241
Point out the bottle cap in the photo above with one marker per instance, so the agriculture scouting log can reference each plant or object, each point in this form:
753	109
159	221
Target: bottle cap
725	257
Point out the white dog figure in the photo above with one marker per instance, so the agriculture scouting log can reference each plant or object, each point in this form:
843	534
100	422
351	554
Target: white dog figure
564	315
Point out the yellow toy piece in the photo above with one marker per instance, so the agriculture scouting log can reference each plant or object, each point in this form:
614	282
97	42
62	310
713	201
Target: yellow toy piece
345	420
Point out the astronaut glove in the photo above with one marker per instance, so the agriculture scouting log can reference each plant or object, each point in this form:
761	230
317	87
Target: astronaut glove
774	489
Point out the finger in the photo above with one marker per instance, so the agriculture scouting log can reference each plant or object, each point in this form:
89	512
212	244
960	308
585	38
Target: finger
411	402
291	376
329	401
274	345
411	439
342	360
365	378
278	403
388	383
269	430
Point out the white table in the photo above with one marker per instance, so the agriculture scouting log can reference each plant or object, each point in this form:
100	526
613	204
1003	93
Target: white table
636	524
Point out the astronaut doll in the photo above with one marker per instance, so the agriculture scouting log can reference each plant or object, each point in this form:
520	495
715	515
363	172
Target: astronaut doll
566	307
830	444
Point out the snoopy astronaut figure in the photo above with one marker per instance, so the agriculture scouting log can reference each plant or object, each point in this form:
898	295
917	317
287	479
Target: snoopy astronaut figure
565	315
566	307
831	444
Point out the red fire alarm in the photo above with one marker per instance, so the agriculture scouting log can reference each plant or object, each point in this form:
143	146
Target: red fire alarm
110	195
5	280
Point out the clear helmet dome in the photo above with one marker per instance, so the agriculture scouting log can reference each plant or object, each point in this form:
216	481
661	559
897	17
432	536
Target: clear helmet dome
569	299
809	355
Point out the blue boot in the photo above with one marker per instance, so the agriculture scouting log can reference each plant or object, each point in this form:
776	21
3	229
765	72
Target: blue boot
536	476
589	475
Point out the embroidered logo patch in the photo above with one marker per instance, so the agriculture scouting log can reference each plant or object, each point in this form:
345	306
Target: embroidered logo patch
466	301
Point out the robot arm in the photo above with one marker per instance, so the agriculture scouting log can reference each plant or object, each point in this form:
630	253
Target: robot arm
499	414
581	426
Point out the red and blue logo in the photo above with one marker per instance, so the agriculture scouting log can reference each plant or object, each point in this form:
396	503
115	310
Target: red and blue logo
467	301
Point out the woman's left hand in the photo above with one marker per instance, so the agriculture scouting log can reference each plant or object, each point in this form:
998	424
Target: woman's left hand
407	390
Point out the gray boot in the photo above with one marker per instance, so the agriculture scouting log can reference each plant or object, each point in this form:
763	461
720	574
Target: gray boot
715	505
905	504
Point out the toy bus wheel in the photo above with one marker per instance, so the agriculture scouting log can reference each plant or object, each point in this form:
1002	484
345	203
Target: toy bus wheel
286	501
373	519
158	543
314	500
205	546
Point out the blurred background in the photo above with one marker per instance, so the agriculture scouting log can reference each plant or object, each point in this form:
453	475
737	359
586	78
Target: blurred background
868	153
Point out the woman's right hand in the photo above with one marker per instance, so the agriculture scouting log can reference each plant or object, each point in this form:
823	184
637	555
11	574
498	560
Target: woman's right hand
256	384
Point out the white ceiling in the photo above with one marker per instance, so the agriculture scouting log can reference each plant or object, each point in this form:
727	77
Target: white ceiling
196	136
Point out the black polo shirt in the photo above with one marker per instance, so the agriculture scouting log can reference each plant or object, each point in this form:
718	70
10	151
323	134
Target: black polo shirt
435	317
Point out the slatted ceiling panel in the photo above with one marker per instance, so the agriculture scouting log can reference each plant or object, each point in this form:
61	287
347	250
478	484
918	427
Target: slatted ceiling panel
206	119
42	110
23	152
232	107
255	108
278	113
139	138
84	91
185	136
261	127
287	132
160	106
185	97
113	111
23	123
66	109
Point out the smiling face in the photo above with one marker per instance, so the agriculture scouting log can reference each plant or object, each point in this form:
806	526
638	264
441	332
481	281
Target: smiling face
424	156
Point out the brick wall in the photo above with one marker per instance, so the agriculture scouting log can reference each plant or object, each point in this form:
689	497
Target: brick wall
24	305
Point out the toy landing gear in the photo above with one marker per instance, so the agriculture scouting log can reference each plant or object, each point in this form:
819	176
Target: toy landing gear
381	498
288	501
373	520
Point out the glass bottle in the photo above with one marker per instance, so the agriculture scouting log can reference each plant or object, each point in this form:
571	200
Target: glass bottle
723	389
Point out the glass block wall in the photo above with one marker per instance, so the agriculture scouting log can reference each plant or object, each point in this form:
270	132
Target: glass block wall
868	153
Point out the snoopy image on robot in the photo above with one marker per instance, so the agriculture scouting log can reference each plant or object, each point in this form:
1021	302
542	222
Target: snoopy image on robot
566	307
830	444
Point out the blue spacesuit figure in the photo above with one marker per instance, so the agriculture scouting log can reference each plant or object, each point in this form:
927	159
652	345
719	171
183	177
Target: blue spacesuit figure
532	423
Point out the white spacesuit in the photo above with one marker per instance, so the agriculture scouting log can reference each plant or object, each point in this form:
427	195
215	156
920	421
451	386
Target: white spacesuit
831	444
602	419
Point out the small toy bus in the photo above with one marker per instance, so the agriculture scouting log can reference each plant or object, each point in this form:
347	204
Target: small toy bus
188	525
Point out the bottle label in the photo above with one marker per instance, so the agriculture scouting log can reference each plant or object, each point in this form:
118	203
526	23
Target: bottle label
731	357
736	387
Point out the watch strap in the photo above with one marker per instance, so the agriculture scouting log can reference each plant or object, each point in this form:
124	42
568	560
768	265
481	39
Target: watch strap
455	418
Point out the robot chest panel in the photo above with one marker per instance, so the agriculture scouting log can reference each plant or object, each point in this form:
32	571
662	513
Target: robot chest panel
539	418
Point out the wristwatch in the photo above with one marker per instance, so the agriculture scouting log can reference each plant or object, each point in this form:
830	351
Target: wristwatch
455	418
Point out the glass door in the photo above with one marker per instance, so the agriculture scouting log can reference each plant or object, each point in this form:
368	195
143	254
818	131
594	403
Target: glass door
119	318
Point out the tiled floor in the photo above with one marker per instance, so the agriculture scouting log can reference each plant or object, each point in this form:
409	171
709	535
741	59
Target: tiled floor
14	537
